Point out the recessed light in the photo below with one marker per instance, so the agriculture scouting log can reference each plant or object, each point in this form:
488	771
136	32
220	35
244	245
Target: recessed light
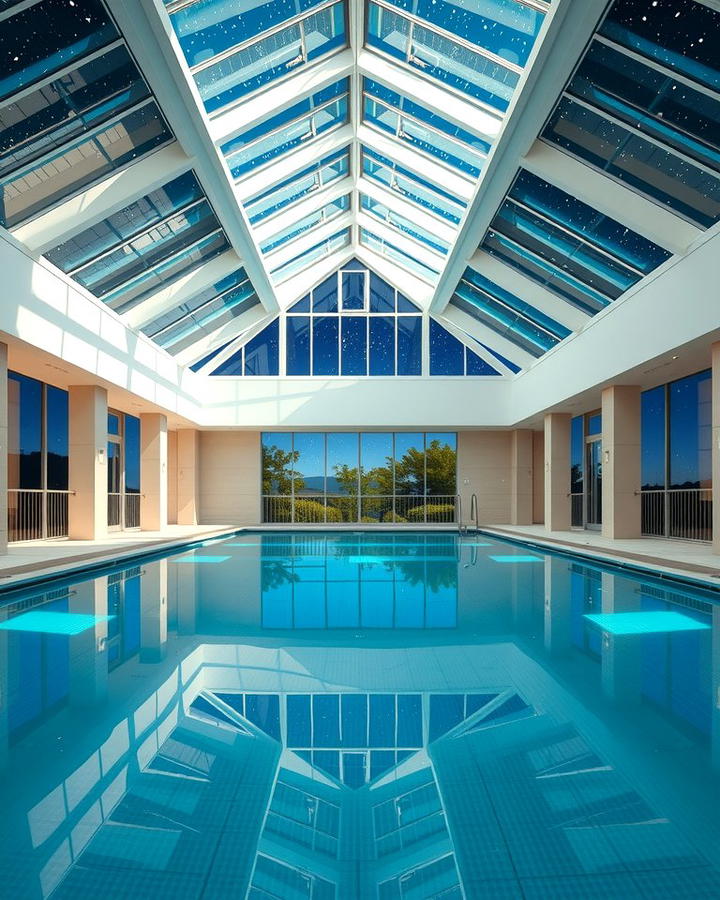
676	357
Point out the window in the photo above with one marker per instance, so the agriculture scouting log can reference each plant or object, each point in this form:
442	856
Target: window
449	356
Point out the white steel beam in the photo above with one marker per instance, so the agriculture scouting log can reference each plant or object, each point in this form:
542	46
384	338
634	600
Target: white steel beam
274	98
406	156
409	285
288	165
477	120
237	326
307	240
182	290
490	338
436	226
266	228
526	289
566	31
398	239
356	30
614	199
98	202
299	285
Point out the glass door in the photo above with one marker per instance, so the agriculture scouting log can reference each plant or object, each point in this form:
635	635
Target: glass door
115	484
593	496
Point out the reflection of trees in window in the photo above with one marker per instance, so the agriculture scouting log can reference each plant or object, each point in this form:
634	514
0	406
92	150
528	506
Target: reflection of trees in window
277	470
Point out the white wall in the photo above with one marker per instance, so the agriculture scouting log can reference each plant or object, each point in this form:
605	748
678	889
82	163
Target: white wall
230	470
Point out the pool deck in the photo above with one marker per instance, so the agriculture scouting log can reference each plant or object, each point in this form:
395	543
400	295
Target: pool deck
692	559
681	558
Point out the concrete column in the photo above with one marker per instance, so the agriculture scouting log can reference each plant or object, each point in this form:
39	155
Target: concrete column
557	471
153	472
88	652
621	462
154	611
620	653
3	449
558	632
87	505
716	445
188	476
521	477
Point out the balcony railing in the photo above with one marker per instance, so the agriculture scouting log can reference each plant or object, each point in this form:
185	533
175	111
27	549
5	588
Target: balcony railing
37	514
129	504
683	513
577	513
370	509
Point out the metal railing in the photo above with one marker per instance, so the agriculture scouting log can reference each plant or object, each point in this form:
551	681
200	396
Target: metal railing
123	510
577	519
682	513
36	514
132	510
371	509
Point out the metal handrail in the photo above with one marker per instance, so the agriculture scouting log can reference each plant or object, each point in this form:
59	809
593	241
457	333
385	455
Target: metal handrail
474	513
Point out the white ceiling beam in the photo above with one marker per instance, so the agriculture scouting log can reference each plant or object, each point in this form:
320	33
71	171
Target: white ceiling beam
409	285
307	240
266	228
395	201
273	98
490	338
290	163
475	119
296	287
526	289
237	326
567	28
101	200
356	32
185	288
406	156
474	346
614	199
396	237
154	44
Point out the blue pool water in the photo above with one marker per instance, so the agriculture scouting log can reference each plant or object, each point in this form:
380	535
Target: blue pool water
331	716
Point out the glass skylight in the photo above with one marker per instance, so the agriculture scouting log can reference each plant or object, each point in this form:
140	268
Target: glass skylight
235	49
314	219
299	185
428	132
313	254
411	187
395	220
290	128
385	248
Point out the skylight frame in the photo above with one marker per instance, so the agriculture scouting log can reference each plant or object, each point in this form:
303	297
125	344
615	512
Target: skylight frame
288	232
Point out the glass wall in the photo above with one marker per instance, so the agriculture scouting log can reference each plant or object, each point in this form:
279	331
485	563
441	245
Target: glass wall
586	471
123	460
676	426
359	477
37	459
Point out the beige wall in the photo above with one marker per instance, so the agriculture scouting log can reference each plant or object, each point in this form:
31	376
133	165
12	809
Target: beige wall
172	477
538	477
484	461
229	477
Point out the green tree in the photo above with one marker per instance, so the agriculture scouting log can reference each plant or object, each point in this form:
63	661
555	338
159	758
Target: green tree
277	471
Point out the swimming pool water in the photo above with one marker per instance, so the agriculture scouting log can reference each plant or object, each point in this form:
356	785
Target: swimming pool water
331	716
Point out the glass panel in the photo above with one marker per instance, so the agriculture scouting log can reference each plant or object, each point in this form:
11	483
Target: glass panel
353	290
324	248
67	32
57	438
376	459
652	439
262	352
447	353
441	464
593	503
113	423
690	427
409	345
577	454
114	476
77	167
129	221
385	248
660	174
24	432
309	455
409	463
132	455
382	295
233	285
298	345
342	463
278	460
395	220
306	223
325	346
382	345
594	424
353	342
61	111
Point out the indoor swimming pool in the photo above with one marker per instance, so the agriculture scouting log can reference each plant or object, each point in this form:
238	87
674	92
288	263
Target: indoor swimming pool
371	715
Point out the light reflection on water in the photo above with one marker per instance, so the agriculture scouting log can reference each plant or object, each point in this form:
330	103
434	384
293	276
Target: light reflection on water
348	715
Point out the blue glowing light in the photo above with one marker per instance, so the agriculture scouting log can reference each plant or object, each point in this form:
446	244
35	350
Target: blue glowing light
645	622
53	622
516	559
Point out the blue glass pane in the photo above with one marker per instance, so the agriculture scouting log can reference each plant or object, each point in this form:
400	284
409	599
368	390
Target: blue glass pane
447	353
478	366
298	345
382	345
644	165
354	345
302	260
208	319
263	710
178	313
126	223
382	720
652	439
409	345
302	305
132	454
57	438
299	732
262	352
325	295
326	720
210	356
318	217
577	454
409	723
57	178
385	248
395	220
502	359
382	295
325	345
31	51
506	28
232	77
353	290
24	432
404	305
689	433
446	711
63	110
677	33
354	720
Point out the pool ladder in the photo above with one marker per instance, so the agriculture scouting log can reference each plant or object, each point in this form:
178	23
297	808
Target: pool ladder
474	515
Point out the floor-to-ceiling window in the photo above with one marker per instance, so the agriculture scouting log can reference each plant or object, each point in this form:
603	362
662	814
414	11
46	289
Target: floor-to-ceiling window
123	457
371	477
37	459
586	470
676	477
